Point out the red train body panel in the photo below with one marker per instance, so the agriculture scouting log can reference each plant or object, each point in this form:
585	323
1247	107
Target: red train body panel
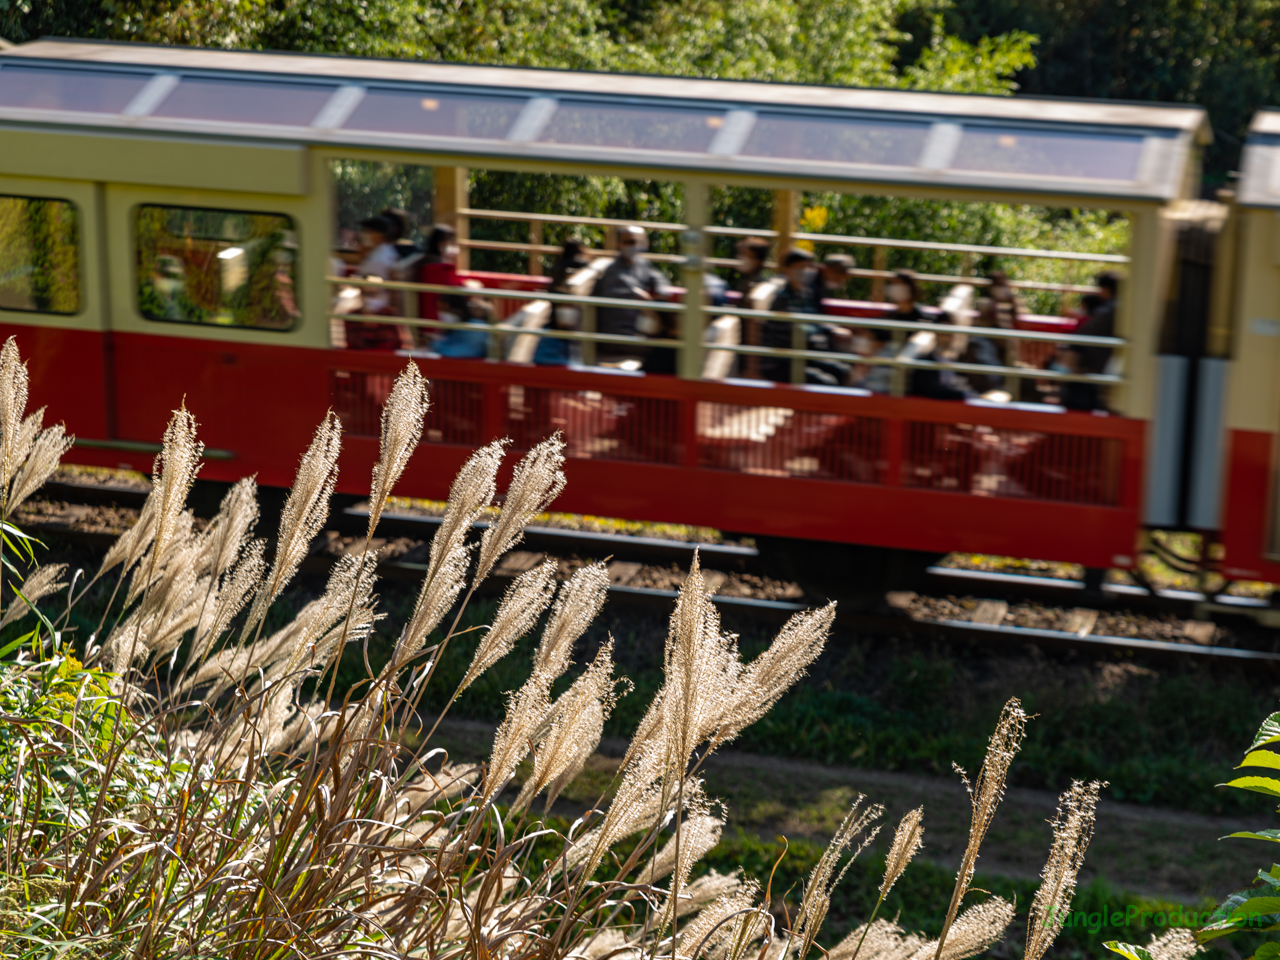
768	460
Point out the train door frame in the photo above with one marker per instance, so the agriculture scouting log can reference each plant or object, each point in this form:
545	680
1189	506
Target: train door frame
255	368
81	338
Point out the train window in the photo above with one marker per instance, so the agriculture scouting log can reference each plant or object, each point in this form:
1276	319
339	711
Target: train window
1092	156
92	91
435	115
836	140
245	101
633	127
222	267
39	256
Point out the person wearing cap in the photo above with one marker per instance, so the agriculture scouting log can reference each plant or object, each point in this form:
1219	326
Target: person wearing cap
629	277
833	276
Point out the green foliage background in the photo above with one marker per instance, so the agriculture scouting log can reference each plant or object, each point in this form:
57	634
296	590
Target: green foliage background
1223	54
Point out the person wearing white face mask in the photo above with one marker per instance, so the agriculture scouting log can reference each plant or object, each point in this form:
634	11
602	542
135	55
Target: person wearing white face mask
631	277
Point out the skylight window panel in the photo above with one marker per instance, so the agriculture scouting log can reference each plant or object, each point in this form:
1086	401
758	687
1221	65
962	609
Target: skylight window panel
89	91
633	127
836	139
245	101
435	114
1087	155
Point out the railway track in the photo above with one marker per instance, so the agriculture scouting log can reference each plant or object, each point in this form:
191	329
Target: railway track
997	608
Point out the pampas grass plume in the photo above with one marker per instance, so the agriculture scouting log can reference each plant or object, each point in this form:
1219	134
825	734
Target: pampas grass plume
402	418
538	480
1072	831
304	513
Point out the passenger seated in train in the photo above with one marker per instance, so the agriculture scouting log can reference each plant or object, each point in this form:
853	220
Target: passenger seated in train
402	231
1078	358
903	292
378	262
998	310
553	351
752	255
440	266
878	378
834	275
629	277
800	294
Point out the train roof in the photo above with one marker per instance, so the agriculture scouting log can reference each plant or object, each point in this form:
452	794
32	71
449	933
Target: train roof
1259	182
1092	150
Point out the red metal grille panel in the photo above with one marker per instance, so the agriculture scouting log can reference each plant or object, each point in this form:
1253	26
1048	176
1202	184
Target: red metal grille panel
1024	464
780	442
454	416
596	426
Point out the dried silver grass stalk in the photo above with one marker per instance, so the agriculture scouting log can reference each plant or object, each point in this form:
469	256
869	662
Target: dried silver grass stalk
524	602
131	545
770	675
513	738
823	878
473	489
977	929
538	480
39	584
571	731
46	452
907	840
709	887
183	546
878	940
1178	944
438	594
699	832
985	797
233	524
715	925
579	603
234	591
13	403
304	513
175	470
1072	831
402	417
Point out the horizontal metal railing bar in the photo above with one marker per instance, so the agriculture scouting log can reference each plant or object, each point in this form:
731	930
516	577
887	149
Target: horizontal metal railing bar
834	238
1031	373
979	281
551	249
660	305
508	329
728	262
1031	252
993	333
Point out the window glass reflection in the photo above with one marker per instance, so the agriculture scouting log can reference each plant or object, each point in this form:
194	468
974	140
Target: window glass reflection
435	115
92	91
633	127
221	267
1092	156
836	140
39	255
245	101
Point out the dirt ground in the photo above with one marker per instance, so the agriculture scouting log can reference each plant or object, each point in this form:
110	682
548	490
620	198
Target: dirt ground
1141	850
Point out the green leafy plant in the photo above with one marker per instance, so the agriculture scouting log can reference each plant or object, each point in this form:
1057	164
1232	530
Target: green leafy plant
194	787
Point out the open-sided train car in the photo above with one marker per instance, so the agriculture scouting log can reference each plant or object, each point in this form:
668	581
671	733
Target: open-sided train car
123	162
